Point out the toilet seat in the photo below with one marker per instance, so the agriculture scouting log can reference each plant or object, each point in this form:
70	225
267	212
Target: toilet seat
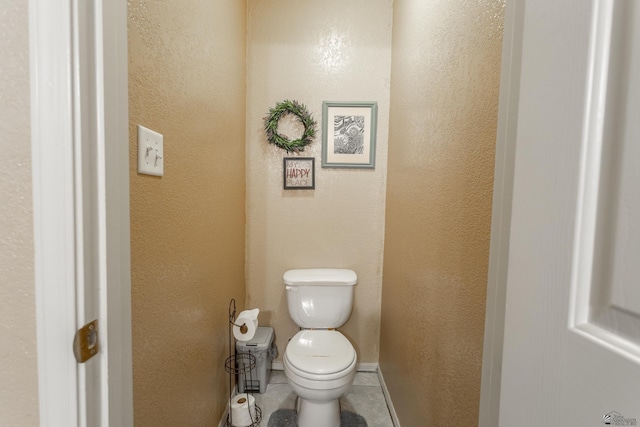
320	354
307	379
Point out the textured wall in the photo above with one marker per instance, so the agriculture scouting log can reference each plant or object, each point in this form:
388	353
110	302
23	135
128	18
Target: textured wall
187	81
18	356
315	51
444	97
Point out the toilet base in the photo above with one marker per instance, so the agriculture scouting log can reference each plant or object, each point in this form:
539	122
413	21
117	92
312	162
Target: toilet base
318	414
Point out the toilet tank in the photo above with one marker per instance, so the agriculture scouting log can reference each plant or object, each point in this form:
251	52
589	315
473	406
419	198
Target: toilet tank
320	297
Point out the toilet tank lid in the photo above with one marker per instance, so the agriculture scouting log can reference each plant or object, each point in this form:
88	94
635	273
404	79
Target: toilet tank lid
320	276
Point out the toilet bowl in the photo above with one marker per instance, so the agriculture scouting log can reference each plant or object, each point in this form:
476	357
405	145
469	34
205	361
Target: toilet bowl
319	362
320	366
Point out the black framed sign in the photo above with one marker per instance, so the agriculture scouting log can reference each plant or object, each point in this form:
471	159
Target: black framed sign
299	173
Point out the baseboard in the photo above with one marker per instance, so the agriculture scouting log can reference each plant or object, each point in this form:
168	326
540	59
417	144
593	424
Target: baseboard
367	367
225	414
387	398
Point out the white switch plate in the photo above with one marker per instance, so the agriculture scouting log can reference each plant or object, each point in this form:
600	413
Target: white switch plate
150	152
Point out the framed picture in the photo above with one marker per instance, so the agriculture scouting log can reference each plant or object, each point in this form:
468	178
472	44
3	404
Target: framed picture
299	173
349	134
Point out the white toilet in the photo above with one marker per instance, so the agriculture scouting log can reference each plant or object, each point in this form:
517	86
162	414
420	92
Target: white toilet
319	362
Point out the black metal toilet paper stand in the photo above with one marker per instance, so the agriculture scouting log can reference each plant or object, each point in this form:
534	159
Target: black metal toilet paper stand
239	364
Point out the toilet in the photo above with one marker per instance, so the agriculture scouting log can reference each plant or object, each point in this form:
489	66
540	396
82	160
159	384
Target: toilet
319	362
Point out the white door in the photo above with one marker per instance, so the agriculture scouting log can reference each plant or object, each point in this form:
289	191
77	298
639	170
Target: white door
81	209
572	321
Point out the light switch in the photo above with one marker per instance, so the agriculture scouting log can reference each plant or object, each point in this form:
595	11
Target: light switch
150	152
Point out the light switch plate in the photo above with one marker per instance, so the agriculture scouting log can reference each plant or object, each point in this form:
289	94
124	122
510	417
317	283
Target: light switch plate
150	152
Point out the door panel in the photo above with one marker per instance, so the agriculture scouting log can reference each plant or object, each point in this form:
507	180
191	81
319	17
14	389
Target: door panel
572	320
614	292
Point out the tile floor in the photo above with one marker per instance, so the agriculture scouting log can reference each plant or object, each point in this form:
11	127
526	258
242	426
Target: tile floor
365	398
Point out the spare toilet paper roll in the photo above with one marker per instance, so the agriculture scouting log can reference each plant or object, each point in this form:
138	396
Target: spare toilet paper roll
243	410
246	324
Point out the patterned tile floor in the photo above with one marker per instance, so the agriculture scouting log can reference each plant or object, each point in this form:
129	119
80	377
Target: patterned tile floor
365	398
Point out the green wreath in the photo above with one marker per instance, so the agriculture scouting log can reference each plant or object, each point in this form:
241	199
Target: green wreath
279	111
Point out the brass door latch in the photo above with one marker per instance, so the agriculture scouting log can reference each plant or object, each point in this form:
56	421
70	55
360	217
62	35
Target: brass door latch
85	342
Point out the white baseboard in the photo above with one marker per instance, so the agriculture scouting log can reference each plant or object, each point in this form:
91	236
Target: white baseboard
367	367
225	414
387	398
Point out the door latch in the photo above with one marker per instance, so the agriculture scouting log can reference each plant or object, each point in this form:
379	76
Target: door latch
85	342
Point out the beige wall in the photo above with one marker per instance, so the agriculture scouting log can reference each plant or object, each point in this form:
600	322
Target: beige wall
444	97
18	357
187	81
315	51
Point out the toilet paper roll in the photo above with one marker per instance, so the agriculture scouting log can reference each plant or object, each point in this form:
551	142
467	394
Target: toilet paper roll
243	410
246	324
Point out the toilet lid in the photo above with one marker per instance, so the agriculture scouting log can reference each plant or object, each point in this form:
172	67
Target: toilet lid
320	351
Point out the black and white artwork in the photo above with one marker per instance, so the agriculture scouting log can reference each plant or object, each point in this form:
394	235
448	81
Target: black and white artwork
349	134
